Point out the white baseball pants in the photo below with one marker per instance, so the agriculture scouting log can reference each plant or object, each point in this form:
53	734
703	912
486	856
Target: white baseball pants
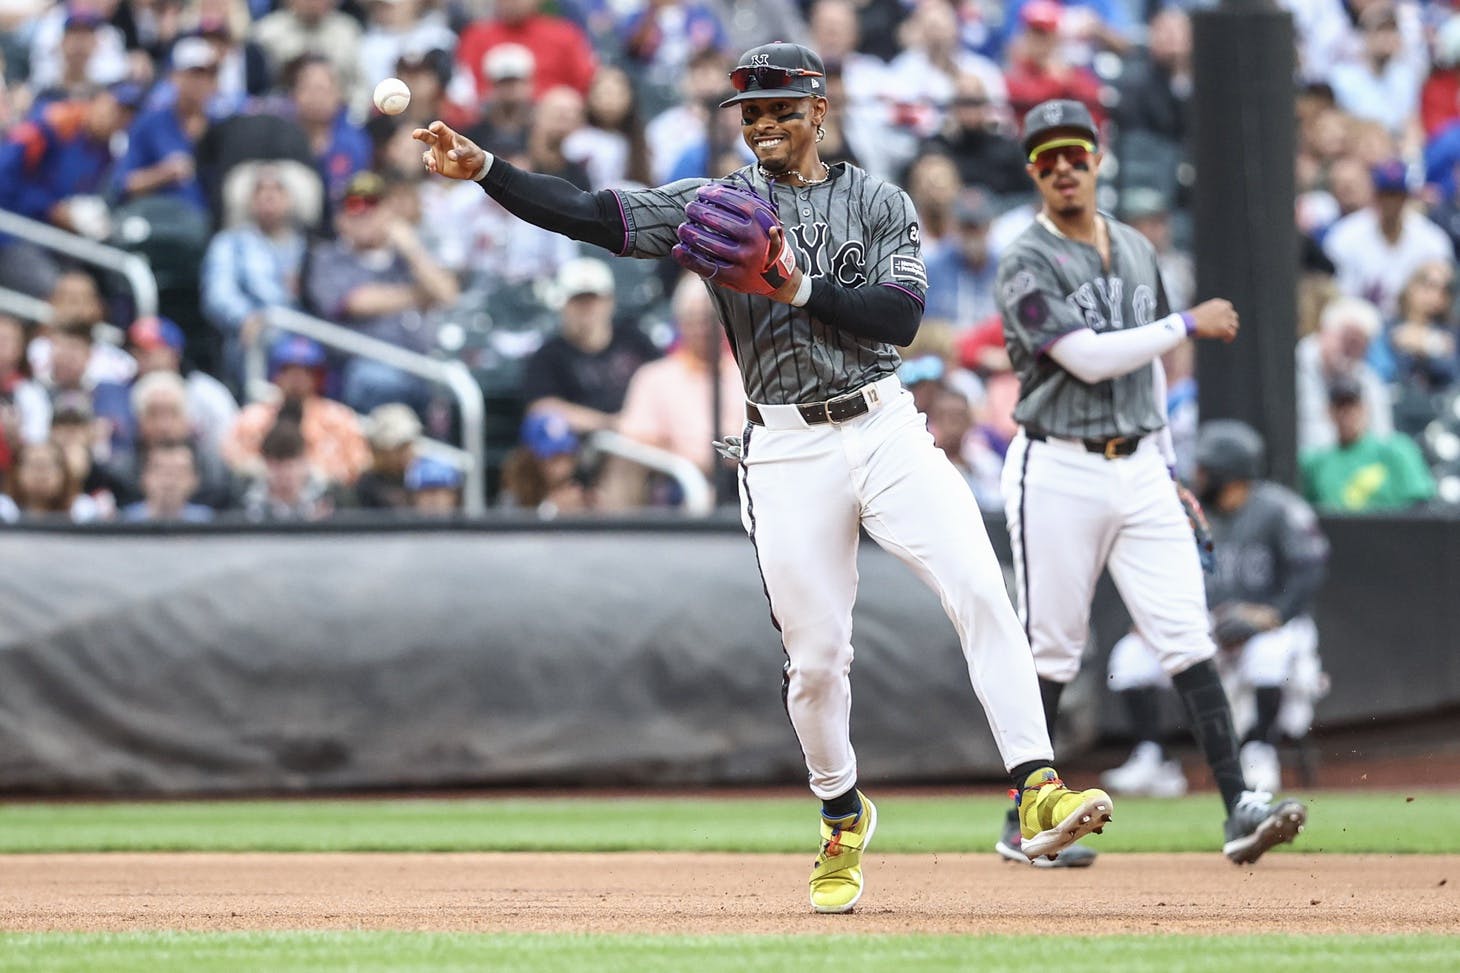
804	492
1072	514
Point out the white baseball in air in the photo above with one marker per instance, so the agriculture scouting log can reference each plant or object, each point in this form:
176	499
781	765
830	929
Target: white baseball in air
392	96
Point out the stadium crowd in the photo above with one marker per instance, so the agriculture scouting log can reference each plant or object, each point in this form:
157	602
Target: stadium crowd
233	144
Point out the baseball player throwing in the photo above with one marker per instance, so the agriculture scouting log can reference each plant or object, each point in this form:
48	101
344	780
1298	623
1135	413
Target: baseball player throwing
1087	479
816	273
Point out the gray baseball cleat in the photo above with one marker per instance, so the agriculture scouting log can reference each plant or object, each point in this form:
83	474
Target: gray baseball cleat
1256	824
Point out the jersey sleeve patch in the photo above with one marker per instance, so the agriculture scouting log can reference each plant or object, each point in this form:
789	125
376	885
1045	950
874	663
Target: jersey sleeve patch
908	270
1033	310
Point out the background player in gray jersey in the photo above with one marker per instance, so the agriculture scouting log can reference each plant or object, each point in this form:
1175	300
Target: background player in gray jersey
834	443
1087	481
1270	558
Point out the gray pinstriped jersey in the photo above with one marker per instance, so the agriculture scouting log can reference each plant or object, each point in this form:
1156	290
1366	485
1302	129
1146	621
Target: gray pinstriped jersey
855	229
1259	547
1049	286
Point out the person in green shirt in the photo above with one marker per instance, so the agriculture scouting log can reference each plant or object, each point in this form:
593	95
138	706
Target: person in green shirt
1363	472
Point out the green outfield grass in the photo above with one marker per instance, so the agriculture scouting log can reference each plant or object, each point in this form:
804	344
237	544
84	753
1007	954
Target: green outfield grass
441	953
1424	821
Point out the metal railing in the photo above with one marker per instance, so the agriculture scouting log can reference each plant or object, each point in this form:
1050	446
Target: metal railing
136	269
24	306
452	374
699	499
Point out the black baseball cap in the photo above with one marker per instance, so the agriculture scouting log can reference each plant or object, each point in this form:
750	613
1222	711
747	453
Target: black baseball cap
1059	114
1344	390
777	70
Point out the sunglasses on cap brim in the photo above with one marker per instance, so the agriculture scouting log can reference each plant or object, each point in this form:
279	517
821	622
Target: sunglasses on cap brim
768	78
1075	151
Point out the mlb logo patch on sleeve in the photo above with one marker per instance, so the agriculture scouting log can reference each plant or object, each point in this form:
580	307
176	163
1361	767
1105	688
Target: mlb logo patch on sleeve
909	270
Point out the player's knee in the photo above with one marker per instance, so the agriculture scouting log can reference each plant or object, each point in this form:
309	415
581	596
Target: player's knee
818	677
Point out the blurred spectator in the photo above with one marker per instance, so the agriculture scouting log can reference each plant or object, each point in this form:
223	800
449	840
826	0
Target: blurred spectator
159	403
835	33
253	266
69	372
1377	248
378	279
660	37
243	67
25	408
719	151
933	185
54	168
169	477
288	488
922	79
68	33
1351	184
331	432
76	300
1423	343
39	486
395	27
392	431
1339	348
542	473
1155	88
970	136
157	344
679	127
1363	471
434	487
315	27
961	270
1038	70
1440	94
506	113
583	372
160	146
82	439
427	72
1381	85
1149	211
559	47
753	22
951	420
611	146
558	115
339	146
669	402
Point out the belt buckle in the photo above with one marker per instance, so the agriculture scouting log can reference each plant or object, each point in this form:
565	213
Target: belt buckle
1111	445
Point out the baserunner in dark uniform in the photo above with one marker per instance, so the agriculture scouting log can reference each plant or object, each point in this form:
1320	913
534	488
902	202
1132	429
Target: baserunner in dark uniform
1087	480
833	443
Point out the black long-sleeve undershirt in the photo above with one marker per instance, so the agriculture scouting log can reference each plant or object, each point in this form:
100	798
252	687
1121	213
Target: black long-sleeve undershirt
556	204
882	313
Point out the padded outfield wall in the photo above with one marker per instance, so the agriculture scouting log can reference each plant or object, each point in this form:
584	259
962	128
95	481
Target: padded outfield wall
218	660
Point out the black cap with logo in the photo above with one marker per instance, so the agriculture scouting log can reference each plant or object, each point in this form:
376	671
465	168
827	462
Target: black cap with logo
778	70
1060	114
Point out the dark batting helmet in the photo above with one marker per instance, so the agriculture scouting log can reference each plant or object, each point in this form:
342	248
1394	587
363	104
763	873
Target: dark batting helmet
1229	450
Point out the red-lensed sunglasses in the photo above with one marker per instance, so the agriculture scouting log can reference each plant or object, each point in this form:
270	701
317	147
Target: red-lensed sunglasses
356	205
1074	151
767	78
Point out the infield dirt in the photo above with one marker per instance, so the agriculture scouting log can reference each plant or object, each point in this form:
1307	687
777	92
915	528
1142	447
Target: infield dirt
711	894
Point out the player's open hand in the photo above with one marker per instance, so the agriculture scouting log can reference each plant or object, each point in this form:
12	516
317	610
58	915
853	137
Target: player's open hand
449	153
1217	319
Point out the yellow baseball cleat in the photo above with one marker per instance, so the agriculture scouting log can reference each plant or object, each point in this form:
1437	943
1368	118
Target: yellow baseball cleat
1052	817
836	878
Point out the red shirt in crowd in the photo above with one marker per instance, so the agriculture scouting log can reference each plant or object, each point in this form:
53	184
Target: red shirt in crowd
562	51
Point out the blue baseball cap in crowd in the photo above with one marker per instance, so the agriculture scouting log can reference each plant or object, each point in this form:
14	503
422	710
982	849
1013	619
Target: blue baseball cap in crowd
426	473
156	332
83	20
548	434
1390	176
129	94
295	349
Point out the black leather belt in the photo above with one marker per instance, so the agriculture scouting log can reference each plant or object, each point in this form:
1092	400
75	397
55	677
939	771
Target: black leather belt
839	409
1109	448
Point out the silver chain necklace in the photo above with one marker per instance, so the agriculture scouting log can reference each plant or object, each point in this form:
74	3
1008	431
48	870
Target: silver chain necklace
772	177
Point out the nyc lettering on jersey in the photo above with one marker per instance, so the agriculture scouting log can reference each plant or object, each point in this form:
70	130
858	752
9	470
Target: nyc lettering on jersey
847	266
1100	302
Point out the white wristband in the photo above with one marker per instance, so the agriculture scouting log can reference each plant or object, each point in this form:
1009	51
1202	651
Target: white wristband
803	292
482	172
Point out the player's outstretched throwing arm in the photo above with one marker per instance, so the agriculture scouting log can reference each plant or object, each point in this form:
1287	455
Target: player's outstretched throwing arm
722	231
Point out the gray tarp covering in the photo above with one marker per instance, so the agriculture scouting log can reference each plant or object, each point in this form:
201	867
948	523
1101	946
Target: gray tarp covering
218	661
